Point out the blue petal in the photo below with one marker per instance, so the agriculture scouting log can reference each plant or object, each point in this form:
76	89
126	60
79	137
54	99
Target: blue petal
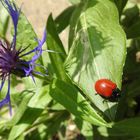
2	83
27	70
14	13
38	50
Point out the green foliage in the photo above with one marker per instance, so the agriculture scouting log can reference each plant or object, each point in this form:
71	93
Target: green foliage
69	97
66	14
26	35
54	43
4	20
120	5
103	42
131	21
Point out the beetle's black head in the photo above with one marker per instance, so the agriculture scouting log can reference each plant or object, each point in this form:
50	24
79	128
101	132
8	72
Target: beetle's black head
115	95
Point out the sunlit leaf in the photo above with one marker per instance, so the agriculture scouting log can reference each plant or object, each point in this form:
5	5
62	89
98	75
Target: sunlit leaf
71	99
85	128
25	35
98	49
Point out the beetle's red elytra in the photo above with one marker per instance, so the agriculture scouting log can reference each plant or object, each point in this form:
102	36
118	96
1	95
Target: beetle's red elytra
107	89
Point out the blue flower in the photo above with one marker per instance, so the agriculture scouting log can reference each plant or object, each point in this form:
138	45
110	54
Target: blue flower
12	59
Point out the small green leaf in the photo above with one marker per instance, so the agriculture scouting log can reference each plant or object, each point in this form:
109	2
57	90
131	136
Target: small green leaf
71	99
4	20
40	99
54	43
21	137
17	130
85	128
98	50
61	22
120	5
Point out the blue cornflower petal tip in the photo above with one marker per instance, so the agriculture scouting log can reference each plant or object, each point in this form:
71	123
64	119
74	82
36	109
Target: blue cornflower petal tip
38	50
14	13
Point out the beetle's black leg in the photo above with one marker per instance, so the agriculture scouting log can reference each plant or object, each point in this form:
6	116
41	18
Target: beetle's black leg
105	101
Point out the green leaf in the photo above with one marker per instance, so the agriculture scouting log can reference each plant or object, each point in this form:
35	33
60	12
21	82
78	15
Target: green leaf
17	130
120	5
98	50
131	21
71	99
133	89
23	99
21	137
61	22
131	14
133	31
41	98
73	23
48	127
111	132
54	123
74	1
132	67
54	43
136	138
35	107
22	107
85	128
25	35
129	126
4	20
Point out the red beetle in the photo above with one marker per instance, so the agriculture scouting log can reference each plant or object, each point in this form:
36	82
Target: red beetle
107	89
